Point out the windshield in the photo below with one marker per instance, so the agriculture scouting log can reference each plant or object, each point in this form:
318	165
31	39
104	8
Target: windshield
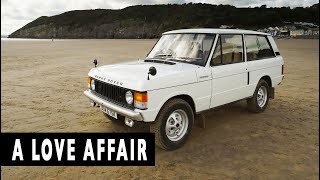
189	48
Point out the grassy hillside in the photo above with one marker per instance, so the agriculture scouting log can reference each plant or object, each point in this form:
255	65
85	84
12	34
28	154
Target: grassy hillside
149	21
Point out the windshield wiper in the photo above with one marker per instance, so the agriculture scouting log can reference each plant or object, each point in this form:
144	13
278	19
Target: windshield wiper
163	55
159	61
164	60
185	60
188	58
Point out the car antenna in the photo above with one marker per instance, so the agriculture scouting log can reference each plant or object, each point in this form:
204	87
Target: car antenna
95	62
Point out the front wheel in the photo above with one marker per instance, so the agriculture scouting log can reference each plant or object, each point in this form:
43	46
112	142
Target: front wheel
259	101
173	124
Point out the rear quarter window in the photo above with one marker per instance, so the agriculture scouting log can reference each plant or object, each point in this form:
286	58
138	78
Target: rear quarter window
258	47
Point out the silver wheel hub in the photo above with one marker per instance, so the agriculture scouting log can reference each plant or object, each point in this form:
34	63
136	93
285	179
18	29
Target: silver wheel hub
262	96
177	125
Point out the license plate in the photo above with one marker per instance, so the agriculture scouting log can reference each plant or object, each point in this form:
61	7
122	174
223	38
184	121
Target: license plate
109	112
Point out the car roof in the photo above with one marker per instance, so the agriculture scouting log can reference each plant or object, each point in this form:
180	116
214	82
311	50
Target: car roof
214	31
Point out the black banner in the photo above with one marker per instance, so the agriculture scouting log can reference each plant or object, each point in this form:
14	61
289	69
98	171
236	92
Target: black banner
77	149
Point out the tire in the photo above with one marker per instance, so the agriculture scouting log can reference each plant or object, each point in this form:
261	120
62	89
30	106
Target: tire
120	119
255	105
184	119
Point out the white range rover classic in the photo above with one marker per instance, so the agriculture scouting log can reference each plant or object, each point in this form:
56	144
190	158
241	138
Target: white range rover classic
187	72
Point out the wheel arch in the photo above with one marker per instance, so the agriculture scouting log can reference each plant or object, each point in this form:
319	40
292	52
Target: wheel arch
267	78
185	97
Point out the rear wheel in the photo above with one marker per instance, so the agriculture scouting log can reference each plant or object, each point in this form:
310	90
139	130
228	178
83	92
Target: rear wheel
259	101
173	124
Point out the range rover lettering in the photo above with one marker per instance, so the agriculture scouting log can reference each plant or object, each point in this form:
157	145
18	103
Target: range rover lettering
187	72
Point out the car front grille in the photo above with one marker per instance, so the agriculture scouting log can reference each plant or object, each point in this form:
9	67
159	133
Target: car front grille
112	93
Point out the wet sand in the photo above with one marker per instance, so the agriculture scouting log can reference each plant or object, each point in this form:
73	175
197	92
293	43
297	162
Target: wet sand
42	84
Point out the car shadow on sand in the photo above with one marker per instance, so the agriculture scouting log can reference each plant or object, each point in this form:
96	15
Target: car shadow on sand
218	117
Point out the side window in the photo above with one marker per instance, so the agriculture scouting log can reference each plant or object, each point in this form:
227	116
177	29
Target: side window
251	47
257	47
228	50
265	51
231	48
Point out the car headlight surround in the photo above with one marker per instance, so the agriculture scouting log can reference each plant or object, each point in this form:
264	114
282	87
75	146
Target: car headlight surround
129	97
92	84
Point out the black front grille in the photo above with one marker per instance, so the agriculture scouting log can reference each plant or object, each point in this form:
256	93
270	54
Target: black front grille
112	93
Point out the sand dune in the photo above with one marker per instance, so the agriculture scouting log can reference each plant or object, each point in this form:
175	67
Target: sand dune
42	85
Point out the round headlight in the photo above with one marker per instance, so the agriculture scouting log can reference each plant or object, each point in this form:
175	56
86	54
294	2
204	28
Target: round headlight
93	86
129	97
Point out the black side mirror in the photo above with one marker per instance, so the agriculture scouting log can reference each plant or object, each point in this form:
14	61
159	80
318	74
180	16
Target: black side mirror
152	71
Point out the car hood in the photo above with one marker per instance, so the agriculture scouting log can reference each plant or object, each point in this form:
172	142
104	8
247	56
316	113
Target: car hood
134	75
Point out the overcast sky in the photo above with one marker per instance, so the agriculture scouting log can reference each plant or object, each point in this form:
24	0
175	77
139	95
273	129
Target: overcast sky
17	13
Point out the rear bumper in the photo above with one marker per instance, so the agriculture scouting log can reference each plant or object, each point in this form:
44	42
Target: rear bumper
120	110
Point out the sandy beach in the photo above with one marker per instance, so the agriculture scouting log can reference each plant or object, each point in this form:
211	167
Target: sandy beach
42	84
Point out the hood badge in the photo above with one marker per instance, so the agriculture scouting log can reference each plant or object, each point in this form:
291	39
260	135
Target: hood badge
111	81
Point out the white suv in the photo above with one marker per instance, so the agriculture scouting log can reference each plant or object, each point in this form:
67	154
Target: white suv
187	72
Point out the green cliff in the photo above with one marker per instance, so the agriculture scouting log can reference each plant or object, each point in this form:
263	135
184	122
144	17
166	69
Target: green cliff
149	21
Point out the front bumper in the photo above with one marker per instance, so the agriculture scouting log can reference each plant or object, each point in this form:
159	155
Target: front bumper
120	110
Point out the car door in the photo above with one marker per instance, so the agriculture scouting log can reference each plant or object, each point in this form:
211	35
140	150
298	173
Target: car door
229	70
